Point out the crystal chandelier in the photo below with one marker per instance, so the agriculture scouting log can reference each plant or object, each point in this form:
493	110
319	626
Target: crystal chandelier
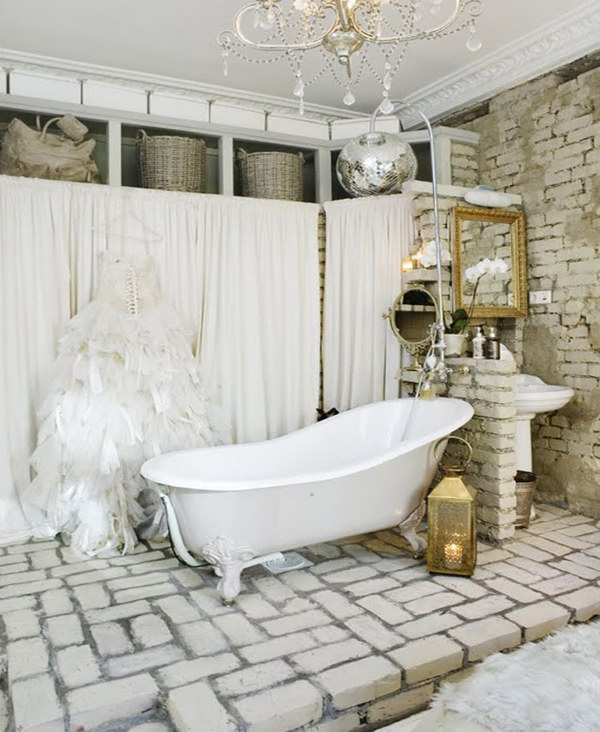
342	31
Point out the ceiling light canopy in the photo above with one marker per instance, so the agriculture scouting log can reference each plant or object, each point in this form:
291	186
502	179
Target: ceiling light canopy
344	32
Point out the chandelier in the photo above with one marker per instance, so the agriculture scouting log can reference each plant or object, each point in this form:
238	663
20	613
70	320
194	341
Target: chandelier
342	32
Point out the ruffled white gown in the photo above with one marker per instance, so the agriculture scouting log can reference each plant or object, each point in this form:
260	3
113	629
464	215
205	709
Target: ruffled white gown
126	387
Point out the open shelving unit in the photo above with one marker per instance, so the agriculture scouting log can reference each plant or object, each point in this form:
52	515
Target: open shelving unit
116	131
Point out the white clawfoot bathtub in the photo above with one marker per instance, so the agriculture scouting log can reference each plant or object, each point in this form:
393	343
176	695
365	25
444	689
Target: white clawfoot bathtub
364	470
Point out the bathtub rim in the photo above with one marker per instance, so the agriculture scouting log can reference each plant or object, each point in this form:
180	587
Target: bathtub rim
151	472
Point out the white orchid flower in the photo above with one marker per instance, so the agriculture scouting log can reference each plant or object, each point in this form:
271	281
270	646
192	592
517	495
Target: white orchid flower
429	255
485	266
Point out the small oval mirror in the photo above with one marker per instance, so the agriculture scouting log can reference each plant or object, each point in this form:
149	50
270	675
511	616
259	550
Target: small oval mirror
411	316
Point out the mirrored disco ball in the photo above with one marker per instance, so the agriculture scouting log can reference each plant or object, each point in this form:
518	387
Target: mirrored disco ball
375	164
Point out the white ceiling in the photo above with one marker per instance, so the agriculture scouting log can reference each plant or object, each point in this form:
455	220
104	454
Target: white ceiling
177	38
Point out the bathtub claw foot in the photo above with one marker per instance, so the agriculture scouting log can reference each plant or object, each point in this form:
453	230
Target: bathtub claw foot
229	559
408	529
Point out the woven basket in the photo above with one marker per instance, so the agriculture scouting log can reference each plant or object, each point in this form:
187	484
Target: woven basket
171	163
525	485
272	175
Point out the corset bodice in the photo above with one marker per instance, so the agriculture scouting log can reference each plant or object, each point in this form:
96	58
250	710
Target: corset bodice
128	283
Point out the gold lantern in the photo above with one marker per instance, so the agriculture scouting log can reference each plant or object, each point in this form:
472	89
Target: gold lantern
451	512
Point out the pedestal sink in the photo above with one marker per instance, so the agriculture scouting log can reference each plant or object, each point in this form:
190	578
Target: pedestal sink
532	397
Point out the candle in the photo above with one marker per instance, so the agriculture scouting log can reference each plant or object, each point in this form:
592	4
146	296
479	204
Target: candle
453	556
408	264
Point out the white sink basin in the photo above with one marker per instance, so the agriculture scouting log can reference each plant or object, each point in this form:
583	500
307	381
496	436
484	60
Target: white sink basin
534	396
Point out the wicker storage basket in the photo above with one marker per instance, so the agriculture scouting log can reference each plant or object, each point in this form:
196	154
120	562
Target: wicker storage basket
525	485
271	175
171	163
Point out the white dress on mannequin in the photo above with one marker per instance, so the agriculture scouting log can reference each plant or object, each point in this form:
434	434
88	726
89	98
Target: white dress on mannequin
126	387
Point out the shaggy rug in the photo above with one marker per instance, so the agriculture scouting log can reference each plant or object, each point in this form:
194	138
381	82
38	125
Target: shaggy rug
550	686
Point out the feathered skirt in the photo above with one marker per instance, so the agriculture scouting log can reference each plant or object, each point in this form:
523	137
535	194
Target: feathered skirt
125	388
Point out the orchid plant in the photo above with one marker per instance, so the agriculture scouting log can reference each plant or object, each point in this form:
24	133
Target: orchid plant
461	318
428	255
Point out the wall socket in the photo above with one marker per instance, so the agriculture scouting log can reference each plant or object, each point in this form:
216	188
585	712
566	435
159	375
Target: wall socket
540	297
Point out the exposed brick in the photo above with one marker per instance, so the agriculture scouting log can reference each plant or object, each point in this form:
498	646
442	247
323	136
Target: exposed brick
36	706
336	604
539	619
185	672
26	657
92	706
77	666
202	637
428	657
278	647
360	681
585	602
178	609
254	678
63	630
330	655
293	623
111	639
484	637
150	630
283	708
184	705
144	660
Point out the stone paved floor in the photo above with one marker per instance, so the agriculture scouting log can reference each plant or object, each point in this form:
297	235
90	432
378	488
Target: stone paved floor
359	640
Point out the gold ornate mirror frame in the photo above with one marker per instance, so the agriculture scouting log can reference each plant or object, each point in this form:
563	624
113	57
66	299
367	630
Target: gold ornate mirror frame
516	221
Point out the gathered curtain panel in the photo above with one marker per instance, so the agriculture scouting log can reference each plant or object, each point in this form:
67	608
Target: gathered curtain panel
243	273
366	241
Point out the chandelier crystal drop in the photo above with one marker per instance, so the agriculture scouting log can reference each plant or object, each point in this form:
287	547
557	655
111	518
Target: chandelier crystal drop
346	34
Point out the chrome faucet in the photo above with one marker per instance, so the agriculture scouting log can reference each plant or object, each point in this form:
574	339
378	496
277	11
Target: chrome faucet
435	370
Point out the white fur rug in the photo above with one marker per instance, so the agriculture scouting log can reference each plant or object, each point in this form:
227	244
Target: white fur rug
550	686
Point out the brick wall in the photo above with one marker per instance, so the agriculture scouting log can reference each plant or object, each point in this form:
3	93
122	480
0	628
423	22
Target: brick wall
464	164
489	389
542	140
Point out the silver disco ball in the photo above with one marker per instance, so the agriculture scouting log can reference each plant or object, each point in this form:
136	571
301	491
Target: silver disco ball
375	164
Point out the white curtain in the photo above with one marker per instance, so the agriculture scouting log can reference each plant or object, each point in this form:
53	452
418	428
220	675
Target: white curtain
367	239
243	273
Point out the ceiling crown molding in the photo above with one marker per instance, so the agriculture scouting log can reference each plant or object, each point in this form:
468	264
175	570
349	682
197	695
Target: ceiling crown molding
553	45
79	70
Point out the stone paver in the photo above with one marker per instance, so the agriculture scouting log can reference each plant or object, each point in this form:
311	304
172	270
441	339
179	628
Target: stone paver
584	602
106	702
539	619
428	657
360	638
484	637
281	709
197	704
359	681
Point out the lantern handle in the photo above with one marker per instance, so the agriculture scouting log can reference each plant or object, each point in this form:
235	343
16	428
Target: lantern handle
438	457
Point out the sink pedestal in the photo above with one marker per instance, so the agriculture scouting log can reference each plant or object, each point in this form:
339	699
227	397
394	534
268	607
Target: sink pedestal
523	460
532	397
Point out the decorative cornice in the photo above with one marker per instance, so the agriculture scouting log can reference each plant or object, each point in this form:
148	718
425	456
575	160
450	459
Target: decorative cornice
551	46
140	80
555	44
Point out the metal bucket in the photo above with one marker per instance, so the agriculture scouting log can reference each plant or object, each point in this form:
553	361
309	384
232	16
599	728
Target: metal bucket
525	484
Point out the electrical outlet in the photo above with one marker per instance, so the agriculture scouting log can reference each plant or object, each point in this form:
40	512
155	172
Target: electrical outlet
540	297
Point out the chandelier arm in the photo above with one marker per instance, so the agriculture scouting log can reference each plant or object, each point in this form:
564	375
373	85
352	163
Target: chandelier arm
399	104
459	6
241	36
